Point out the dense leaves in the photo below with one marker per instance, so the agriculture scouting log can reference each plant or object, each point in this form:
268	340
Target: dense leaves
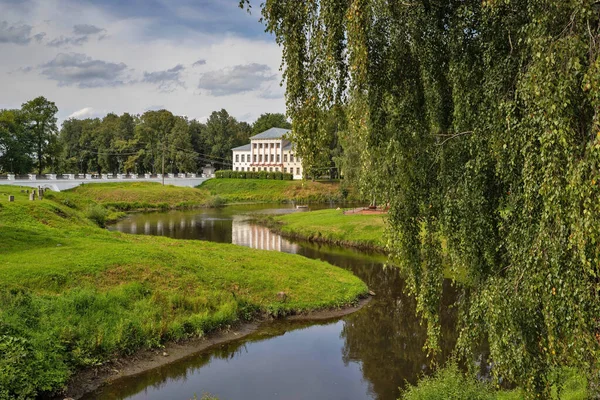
478	123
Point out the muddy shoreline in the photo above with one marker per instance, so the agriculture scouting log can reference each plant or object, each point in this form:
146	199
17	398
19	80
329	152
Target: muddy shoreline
91	379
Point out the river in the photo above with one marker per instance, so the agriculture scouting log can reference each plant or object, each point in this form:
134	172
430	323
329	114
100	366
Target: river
366	355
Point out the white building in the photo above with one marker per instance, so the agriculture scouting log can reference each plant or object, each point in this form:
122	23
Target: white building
268	151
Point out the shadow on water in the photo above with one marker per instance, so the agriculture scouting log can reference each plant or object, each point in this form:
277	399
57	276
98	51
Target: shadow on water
365	355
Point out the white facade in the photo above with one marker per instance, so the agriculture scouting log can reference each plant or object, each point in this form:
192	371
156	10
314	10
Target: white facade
268	151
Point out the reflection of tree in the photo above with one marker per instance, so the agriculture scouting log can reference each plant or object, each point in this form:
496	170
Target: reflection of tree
388	339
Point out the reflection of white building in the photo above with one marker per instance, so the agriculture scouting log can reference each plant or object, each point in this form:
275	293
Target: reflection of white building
268	151
259	237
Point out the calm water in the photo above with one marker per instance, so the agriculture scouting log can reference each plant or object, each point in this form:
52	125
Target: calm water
366	355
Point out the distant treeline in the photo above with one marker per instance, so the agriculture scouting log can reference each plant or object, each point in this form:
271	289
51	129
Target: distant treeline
30	141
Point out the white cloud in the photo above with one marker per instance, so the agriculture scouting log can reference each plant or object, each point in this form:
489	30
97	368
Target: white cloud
167	80
237	79
76	69
87	112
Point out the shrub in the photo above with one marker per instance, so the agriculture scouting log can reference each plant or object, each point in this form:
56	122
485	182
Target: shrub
226	174
216	202
98	214
449	384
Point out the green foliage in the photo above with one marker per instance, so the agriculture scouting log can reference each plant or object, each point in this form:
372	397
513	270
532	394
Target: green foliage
449	384
98	214
73	295
39	117
477	121
267	121
228	174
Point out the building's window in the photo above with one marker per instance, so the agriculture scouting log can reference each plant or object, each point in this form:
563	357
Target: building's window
236	168
254	145
260	145
277	146
278	158
272	157
243	158
291	157
253	169
237	158
255	158
260	158
272	145
285	158
297	171
284	169
270	169
276	169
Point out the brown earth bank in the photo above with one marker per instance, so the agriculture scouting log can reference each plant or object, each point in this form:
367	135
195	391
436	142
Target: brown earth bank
93	378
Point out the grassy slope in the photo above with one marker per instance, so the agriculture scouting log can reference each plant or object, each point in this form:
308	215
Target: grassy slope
73	295
334	226
140	195
264	190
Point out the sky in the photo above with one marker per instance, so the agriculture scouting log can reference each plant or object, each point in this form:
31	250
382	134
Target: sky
92	57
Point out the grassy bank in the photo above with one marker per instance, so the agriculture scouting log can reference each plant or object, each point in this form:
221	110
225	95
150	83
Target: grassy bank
331	226
130	196
451	383
73	295
276	191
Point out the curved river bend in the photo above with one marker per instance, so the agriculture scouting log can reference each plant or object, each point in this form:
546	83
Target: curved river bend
365	355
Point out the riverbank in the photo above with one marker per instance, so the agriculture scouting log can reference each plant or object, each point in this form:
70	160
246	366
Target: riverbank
146	360
136	196
74	296
362	231
278	191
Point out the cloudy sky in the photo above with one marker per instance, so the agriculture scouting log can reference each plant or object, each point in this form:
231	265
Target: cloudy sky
92	57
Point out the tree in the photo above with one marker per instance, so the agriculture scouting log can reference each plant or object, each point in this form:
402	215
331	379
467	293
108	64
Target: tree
223	132
479	122
268	120
15	143
40	119
182	155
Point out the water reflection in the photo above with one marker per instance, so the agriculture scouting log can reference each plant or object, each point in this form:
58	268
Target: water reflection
366	355
258	237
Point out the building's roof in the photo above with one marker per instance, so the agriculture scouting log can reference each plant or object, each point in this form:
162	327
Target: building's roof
288	146
245	147
273	133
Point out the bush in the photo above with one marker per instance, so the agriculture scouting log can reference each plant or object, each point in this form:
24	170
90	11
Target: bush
226	174
98	214
449	384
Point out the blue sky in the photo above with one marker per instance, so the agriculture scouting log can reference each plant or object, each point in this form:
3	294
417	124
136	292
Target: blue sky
93	57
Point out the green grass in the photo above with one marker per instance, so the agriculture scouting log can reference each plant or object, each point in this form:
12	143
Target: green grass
333	226
275	191
73	295
129	196
450	383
